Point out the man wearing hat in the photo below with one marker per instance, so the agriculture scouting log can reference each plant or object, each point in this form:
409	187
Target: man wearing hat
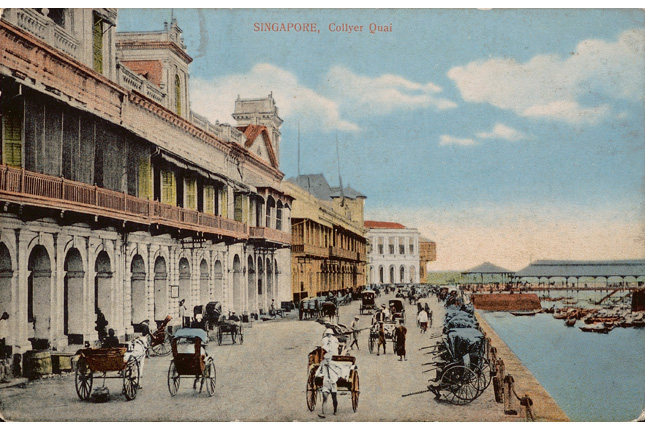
329	370
236	321
354	333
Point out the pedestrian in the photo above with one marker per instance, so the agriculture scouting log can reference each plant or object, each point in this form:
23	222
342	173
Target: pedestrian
354	333
422	318
381	339
329	371
111	341
400	333
235	321
429	312
185	320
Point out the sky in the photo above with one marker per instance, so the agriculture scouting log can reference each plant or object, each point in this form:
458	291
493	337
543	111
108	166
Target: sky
505	136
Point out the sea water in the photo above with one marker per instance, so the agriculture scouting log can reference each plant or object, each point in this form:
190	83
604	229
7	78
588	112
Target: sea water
591	376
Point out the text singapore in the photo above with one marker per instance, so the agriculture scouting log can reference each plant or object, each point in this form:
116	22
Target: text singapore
286	27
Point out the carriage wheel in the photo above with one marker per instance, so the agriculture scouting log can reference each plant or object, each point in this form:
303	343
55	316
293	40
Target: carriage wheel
219	335
311	390
131	379
210	377
370	344
83	379
459	382
162	349
355	390
483	372
173	378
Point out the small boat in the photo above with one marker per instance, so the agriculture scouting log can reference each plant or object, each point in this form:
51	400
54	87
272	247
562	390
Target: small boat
570	322
524	313
597	328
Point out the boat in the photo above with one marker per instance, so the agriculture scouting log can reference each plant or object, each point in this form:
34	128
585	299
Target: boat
524	313
597	328
570	322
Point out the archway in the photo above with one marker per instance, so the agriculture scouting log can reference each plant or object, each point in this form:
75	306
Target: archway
392	275
103	287
39	292
381	275
270	294
218	281
237	284
138	302
6	274
73	311
412	274
161	289
270	213
251	296
184	282
261	284
278	216
204	281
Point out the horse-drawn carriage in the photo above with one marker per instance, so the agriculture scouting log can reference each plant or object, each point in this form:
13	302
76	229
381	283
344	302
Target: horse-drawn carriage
348	380
330	310
398	310
462	370
367	302
190	360
104	360
231	327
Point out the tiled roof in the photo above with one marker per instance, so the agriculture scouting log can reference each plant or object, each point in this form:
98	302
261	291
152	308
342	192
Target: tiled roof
382	224
562	268
252	131
488	268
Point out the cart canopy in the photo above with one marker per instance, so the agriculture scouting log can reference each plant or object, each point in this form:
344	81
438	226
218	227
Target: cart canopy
191	333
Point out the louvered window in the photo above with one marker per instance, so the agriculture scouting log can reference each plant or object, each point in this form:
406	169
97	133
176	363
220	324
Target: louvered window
145	190
12	139
168	188
97	44
191	194
209	199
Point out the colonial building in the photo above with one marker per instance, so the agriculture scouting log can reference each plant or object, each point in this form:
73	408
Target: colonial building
328	252
427	253
114	196
393	253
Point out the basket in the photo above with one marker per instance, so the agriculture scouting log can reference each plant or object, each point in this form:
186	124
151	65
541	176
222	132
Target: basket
104	359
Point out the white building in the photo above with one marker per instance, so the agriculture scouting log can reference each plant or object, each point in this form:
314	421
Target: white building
392	253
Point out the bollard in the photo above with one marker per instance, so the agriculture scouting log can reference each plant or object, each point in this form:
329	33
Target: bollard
527	402
509	390
498	379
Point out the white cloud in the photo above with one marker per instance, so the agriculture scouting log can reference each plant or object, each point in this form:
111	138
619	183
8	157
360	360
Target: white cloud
451	140
501	131
551	87
364	95
215	98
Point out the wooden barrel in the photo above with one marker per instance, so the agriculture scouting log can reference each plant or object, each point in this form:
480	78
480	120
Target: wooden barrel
39	364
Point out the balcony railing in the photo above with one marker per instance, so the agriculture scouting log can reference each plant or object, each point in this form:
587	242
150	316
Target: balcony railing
336	252
311	250
270	234
44	28
128	79
22	186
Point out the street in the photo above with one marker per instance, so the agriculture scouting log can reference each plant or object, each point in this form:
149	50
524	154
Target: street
263	380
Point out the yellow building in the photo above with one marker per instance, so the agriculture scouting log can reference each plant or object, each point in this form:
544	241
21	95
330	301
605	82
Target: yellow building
328	252
427	253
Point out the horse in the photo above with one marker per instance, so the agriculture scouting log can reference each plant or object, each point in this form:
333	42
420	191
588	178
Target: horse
330	310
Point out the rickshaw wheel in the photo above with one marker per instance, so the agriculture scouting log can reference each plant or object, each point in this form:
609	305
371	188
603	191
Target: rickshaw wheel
355	390
162	349
210	377
459	383
311	390
131	379
83	379
370	343
483	373
173	378
219	335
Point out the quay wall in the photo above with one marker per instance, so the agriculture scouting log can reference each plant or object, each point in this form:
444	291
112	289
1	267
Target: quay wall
506	302
544	407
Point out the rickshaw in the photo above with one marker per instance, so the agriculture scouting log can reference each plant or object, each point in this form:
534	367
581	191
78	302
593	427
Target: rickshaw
367	302
160	339
189	359
347	382
399	310
462	370
104	360
229	327
388	328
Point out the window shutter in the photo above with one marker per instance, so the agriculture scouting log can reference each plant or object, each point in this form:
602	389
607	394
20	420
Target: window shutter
239	212
12	149
97	44
209	199
224	202
168	188
191	194
144	179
